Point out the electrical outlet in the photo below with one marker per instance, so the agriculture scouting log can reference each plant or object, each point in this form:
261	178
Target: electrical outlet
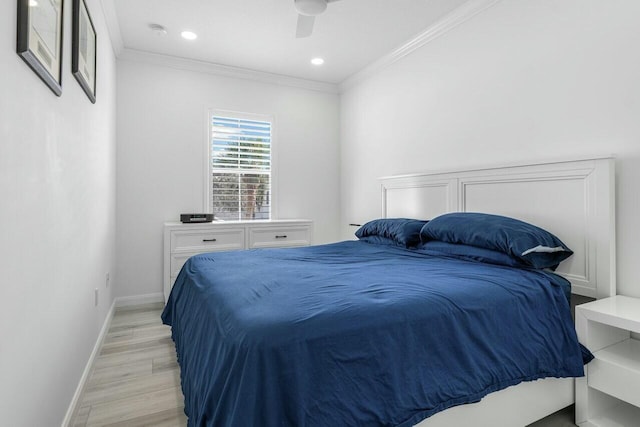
107	281
95	302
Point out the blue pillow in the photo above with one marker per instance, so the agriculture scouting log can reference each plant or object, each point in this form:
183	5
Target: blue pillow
404	231
379	240
532	245
471	253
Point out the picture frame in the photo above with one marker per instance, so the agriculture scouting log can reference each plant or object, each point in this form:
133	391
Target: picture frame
84	49
39	39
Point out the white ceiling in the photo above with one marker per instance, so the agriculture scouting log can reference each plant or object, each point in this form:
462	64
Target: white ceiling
260	34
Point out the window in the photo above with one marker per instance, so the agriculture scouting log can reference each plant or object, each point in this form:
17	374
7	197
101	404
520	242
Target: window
239	166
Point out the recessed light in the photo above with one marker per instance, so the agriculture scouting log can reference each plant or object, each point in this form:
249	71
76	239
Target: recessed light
189	35
158	29
317	61
33	3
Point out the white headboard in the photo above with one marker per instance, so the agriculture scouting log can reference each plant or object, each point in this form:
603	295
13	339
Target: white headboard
574	200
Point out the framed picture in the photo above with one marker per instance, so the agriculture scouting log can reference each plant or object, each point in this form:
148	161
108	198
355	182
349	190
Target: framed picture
39	40
84	44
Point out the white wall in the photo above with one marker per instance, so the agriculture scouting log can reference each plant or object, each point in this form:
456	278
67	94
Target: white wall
57	225
161	143
525	80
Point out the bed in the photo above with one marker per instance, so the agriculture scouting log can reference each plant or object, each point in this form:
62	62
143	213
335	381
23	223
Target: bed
382	332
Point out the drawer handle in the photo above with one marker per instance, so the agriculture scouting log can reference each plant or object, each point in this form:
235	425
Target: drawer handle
209	240
284	236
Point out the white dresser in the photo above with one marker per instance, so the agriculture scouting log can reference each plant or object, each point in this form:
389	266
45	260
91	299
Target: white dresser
182	241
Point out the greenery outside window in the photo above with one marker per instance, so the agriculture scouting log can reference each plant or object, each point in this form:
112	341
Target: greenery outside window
240	166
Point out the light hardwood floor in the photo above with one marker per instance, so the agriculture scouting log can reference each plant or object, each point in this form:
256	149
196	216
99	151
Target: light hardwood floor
136	378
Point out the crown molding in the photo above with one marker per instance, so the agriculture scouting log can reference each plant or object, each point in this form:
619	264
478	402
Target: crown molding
113	27
224	70
450	21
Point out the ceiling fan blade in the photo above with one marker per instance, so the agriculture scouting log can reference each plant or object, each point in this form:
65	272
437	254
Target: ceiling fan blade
305	26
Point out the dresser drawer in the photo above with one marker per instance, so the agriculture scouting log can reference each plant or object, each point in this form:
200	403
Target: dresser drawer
279	237
207	240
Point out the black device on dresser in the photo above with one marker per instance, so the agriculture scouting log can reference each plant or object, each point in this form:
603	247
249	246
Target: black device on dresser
189	218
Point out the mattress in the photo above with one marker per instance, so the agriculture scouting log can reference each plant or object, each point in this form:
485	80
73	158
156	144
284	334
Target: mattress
354	333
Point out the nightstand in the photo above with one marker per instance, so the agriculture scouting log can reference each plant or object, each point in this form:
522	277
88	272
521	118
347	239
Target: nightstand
609	393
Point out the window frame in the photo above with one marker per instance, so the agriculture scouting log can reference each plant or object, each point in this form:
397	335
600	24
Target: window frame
209	114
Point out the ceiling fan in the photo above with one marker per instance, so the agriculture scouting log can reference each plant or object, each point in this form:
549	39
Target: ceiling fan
307	12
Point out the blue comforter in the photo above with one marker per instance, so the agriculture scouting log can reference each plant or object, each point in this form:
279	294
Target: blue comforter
359	334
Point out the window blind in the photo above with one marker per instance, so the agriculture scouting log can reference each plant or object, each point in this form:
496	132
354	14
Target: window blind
240	168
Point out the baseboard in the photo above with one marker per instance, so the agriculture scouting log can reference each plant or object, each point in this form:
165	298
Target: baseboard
139	299
89	366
